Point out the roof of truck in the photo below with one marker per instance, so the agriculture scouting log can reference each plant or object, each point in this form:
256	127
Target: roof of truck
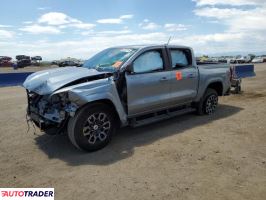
151	45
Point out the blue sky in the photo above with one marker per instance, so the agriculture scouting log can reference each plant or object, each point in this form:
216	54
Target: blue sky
60	28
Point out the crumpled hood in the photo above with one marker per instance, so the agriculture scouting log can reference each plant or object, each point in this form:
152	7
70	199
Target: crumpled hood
47	81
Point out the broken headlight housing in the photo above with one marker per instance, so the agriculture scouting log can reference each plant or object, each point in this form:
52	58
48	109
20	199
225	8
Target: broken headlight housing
56	107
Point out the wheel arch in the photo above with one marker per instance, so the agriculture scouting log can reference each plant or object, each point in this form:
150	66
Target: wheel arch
107	102
105	93
217	86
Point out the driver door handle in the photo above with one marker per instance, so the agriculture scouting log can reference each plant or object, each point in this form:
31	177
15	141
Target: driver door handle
191	75
164	79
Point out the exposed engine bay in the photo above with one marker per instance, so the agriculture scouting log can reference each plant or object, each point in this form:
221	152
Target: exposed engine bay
46	110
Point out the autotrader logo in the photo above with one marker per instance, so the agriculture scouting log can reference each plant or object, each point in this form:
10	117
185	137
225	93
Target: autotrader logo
27	193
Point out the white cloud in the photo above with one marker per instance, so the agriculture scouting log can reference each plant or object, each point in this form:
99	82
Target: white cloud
245	30
245	27
114	20
86	26
170	27
149	26
55	18
219	13
216	37
83	25
52	22
85	48
6	34
115	32
110	21
106	33
175	27
236	19
229	2
78	48
223	43
28	22
126	16
43	8
5	26
37	29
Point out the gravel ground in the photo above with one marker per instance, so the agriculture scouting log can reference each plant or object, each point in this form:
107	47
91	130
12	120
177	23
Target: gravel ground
222	156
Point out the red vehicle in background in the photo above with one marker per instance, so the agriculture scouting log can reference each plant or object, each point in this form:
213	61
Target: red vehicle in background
6	61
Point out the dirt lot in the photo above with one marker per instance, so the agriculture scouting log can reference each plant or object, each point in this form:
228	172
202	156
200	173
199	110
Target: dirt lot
222	156
25	69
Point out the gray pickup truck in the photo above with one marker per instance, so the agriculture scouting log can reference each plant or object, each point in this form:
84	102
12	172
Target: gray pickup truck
121	86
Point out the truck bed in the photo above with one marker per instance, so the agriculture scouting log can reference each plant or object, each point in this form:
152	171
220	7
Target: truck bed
211	65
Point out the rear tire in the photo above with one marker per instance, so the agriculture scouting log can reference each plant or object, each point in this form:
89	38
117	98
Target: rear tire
238	88
92	127
208	103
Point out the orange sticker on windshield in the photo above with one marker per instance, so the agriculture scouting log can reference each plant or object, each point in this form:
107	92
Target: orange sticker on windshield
178	75
117	64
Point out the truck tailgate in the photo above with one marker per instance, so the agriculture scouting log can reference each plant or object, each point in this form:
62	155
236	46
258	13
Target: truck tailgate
243	71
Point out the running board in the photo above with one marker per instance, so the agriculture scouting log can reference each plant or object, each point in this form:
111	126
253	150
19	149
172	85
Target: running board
158	116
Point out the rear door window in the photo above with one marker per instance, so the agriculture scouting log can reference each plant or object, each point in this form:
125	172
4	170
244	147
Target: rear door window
180	58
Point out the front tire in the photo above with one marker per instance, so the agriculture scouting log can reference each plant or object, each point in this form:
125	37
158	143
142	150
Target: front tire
208	103
92	127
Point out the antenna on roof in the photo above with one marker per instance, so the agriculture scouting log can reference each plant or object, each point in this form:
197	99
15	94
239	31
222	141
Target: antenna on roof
169	40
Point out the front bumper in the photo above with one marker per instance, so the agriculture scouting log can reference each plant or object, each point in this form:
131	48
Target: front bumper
38	121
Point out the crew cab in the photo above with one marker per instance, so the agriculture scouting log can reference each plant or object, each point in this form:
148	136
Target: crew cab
123	86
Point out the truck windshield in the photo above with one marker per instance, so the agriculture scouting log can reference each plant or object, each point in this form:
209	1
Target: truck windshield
109	59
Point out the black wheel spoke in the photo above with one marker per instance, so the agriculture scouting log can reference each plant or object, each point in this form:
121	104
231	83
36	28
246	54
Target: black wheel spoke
96	127
211	104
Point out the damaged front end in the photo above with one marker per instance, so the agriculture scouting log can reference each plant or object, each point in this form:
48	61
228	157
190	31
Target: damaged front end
55	95
50	112
49	104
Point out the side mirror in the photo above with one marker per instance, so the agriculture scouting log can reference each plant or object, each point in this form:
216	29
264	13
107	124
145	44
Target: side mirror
129	68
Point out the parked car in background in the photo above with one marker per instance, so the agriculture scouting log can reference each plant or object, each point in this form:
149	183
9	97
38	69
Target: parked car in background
239	60
67	63
258	60
35	60
243	59
23	61
55	62
231	60
6	61
222	60
120	86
